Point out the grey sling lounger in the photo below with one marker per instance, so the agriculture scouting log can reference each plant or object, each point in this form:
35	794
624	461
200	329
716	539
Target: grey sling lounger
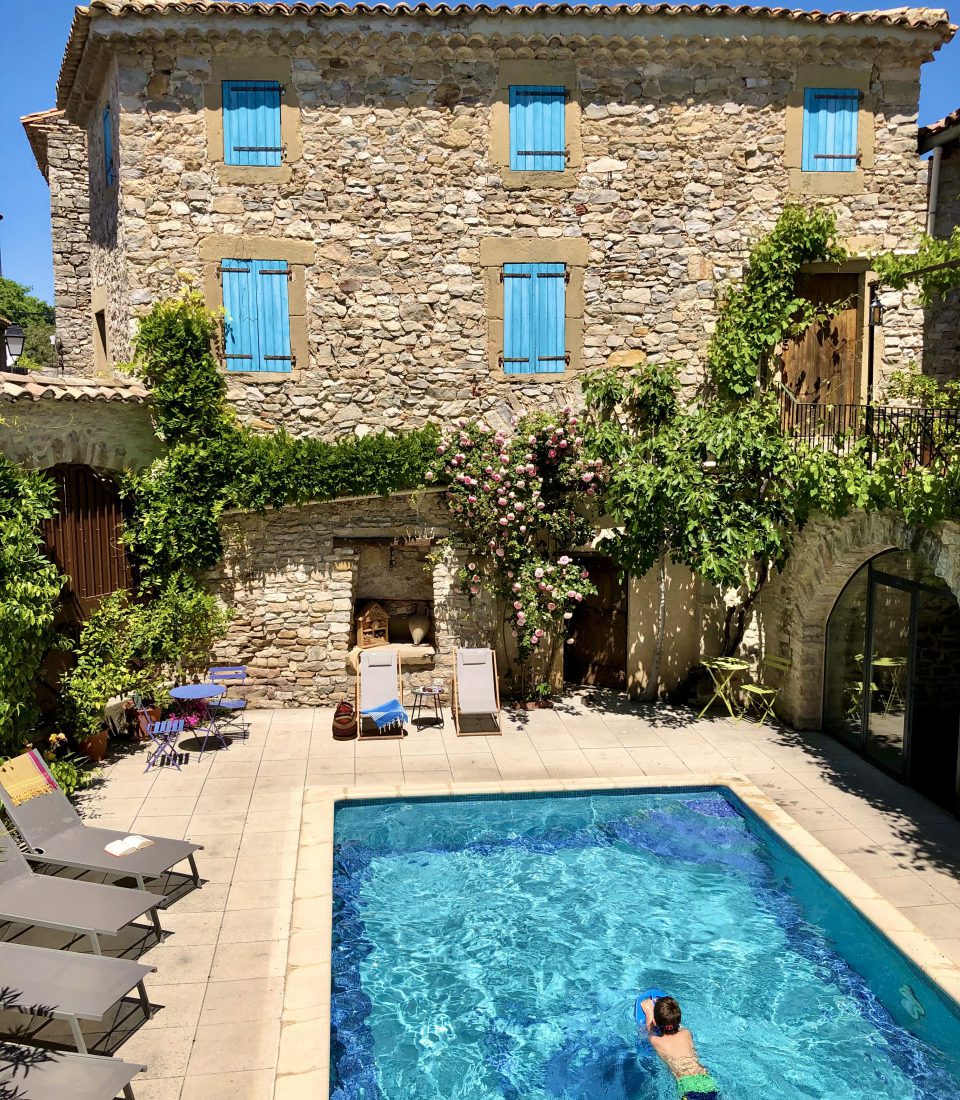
86	908
52	830
68	985
66	1076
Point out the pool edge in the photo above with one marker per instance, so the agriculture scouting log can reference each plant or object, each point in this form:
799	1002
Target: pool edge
303	1066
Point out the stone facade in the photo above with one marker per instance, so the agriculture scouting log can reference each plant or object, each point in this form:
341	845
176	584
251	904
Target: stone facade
941	352
115	436
70	225
61	152
293	579
682	135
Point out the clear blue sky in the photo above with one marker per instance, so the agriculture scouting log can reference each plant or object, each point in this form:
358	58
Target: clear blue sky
35	33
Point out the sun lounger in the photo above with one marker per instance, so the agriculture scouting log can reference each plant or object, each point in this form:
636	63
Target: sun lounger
476	693
85	908
52	1075
380	694
54	832
68	985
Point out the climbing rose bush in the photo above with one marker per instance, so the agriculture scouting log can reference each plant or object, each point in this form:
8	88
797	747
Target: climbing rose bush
522	499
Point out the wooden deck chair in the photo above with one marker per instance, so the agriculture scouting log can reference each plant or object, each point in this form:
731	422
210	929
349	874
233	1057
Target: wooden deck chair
380	694
476	693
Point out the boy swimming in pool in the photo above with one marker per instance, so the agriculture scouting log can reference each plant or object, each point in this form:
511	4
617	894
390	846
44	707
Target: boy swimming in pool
674	1044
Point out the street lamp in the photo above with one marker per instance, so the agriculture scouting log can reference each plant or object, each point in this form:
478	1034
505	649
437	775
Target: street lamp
13	338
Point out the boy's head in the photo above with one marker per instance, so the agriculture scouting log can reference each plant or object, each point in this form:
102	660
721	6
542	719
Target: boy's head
666	1015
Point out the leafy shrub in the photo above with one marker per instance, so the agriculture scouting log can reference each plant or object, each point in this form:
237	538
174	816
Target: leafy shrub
29	592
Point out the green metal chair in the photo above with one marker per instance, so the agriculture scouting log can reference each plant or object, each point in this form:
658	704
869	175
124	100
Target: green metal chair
761	697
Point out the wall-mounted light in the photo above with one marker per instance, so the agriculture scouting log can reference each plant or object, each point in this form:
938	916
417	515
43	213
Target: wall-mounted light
14	339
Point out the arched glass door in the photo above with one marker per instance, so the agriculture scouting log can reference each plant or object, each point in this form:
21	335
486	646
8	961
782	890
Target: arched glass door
892	688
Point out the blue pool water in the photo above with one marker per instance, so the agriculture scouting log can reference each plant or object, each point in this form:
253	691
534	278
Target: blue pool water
492	948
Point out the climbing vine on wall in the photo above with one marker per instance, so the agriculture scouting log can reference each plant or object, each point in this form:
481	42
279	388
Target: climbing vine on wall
29	594
763	309
937	257
715	484
521	499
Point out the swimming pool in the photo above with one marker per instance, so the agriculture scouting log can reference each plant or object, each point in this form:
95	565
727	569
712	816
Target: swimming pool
491	948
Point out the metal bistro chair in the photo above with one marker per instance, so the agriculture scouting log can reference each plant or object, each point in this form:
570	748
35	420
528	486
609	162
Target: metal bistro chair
232	712
164	735
762	696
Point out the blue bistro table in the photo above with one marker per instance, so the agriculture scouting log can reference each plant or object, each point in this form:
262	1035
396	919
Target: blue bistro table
194	692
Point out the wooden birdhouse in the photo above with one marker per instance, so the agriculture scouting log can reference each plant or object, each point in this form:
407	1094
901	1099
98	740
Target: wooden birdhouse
372	626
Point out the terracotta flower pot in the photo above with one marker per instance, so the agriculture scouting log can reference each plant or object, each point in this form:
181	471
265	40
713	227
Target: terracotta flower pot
94	747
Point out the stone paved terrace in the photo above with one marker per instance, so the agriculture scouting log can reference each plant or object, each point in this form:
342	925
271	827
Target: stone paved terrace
243	977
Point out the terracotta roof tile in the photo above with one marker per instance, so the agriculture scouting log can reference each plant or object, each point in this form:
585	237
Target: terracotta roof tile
928	134
915	18
52	387
37	127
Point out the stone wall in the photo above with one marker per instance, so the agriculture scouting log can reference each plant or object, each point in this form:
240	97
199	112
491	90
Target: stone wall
293	592
941	354
108	227
70	232
683	168
795	606
106	435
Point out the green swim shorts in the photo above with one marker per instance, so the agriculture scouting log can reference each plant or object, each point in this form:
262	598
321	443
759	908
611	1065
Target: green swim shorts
697	1086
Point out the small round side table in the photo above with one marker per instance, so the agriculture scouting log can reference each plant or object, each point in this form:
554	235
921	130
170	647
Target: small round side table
421	697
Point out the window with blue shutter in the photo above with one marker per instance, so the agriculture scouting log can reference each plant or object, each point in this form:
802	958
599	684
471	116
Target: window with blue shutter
257	323
830	118
251	123
534	318
537	128
107	146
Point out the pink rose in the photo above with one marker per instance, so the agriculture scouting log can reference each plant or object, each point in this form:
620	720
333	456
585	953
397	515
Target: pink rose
534	640
563	560
538	572
517	605
551	606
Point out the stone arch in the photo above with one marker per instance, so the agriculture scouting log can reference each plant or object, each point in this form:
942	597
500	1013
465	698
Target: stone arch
797	604
109	436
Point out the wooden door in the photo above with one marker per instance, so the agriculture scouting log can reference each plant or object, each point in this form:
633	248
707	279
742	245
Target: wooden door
84	539
598	653
822	366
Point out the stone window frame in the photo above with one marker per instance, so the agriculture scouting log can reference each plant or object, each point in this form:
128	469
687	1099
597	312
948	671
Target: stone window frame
828	183
544	72
253	68
497	251
299	255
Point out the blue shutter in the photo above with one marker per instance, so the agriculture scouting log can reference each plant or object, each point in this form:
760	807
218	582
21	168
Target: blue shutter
534	325
242	350
519	347
273	314
830	117
107	146
550	291
537	134
251	123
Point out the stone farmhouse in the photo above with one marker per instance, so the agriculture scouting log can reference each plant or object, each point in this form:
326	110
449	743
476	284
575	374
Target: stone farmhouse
415	213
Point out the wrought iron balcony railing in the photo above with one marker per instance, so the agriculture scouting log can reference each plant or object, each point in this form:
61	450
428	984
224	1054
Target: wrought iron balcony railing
922	437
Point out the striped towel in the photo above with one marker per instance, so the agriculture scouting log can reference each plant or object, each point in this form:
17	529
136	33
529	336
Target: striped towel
26	777
387	714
